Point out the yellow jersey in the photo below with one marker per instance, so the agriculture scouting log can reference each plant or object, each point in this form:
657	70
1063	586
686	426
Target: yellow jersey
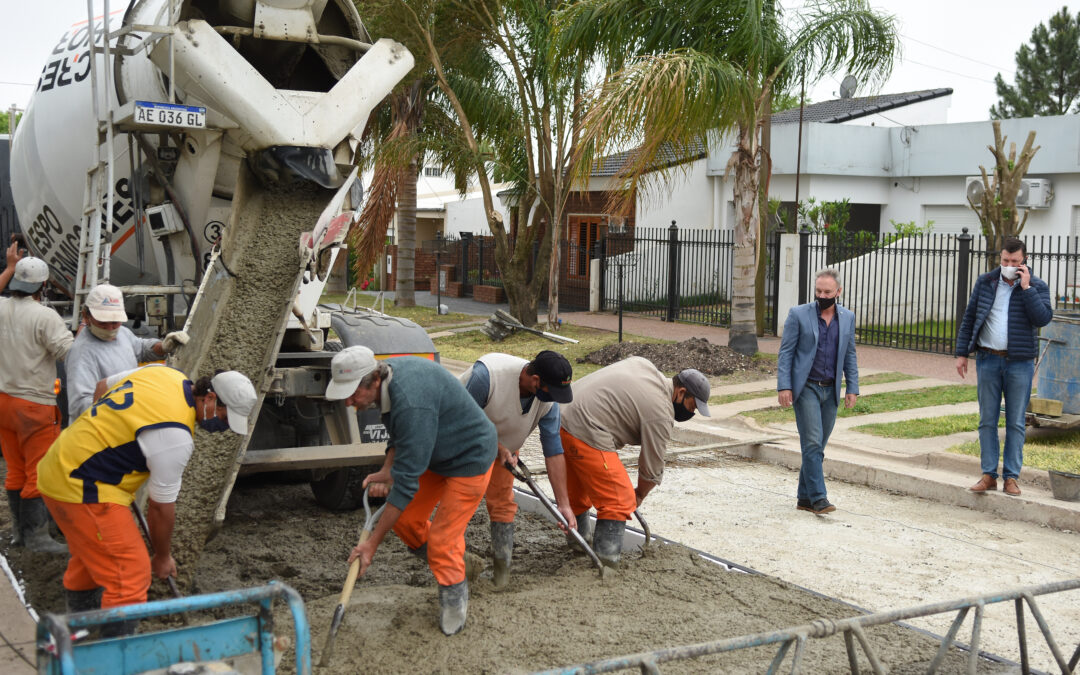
98	459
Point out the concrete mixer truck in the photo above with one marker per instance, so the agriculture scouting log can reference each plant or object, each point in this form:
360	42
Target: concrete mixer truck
200	154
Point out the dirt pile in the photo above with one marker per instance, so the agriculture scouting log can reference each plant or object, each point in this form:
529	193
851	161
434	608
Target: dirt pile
556	611
696	353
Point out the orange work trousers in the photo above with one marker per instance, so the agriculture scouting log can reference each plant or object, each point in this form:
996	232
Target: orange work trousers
456	499
27	429
501	506
597	478
106	550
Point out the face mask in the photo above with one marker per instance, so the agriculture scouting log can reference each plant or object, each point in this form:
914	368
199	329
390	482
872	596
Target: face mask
825	303
1009	272
681	413
104	333
543	396
211	422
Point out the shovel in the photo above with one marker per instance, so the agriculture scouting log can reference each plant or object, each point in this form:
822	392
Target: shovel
350	581
645	528
522	473
141	519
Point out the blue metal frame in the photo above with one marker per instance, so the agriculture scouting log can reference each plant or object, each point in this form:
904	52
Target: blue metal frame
139	653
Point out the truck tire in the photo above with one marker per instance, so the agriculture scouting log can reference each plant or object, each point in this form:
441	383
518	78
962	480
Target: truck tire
342	489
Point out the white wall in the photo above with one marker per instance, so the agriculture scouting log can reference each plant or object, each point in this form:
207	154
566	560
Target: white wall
934	111
687	199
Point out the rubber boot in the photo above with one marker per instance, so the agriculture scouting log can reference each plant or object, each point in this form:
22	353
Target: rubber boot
502	548
474	565
35	527
83	601
14	500
585	529
453	606
119	628
420	551
607	542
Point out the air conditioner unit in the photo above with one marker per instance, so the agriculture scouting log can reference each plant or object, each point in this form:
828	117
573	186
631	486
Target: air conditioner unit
974	189
1035	193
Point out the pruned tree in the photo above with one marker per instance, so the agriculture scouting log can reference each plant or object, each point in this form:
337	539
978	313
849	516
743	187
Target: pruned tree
1047	72
997	210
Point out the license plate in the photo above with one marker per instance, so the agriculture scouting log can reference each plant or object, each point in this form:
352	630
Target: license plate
170	115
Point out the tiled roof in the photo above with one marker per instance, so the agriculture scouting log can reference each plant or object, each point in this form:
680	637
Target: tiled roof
829	112
844	109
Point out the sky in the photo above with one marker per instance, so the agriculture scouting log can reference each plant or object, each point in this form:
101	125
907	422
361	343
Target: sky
960	44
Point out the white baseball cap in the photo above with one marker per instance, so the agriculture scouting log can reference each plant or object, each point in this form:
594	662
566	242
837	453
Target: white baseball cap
30	274
238	394
106	303
350	366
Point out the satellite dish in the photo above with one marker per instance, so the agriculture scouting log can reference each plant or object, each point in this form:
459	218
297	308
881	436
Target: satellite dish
975	191
848	86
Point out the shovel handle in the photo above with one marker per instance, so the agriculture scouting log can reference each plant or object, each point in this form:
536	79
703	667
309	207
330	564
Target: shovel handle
354	571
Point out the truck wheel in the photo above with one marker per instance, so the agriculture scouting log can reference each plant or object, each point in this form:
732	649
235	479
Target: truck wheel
342	490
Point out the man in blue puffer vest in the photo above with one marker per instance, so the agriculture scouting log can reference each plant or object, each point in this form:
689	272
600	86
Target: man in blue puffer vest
1006	307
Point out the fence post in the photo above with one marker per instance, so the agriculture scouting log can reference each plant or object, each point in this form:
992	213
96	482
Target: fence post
775	259
963	271
480	261
603	270
804	264
673	273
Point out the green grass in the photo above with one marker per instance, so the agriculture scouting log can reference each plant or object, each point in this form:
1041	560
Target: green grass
907	335
925	427
878	403
471	345
769	392
424	316
1051	453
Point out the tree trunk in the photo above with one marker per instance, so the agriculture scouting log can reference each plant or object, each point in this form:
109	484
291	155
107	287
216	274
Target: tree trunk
406	238
764	172
743	334
524	303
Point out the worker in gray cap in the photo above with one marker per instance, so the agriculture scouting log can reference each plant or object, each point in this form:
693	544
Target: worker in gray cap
105	346
33	338
627	403
518	396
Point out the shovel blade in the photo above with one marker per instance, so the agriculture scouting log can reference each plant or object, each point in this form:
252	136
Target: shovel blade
328	648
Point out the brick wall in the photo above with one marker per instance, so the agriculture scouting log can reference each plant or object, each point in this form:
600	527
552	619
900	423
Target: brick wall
424	269
493	294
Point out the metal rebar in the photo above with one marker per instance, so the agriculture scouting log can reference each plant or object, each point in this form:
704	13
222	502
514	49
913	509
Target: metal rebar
1025	667
948	640
976	633
779	658
875	663
1030	598
796	661
852	656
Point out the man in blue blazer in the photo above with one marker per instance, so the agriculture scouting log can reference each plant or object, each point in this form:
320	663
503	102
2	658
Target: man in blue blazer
818	347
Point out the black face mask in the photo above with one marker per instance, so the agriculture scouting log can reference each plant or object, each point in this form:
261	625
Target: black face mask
214	425
681	413
543	396
825	303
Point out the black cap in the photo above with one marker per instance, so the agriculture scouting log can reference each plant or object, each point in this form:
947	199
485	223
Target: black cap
555	373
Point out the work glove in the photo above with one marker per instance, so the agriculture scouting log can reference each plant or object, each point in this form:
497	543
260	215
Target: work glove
173	341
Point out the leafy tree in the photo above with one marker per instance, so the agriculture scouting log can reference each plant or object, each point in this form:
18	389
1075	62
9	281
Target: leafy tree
5	121
1047	72
693	68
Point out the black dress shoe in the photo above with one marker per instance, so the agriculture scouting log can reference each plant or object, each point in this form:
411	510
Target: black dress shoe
803	505
822	506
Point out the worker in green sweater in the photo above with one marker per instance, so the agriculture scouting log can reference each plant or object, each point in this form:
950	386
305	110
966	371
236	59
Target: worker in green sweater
439	454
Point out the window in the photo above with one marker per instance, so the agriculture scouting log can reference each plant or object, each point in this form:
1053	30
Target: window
433	171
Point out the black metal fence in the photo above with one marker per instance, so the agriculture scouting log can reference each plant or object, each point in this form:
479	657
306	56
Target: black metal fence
679	275
911	292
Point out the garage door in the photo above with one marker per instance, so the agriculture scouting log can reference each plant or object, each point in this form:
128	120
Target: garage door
951	219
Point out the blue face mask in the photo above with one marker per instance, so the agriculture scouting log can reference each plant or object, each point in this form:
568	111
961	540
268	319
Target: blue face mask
211	422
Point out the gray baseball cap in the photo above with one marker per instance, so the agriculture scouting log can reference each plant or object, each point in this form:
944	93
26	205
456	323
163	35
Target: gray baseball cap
698	386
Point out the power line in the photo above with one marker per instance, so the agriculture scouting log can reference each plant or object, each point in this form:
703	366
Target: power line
946	70
19	84
961	56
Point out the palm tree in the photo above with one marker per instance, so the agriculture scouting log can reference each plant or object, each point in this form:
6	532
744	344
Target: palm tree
706	69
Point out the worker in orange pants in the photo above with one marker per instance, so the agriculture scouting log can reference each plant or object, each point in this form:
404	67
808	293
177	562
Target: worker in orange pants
439	454
33	338
627	403
518	396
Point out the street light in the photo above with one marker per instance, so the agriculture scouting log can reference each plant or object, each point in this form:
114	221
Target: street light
438	247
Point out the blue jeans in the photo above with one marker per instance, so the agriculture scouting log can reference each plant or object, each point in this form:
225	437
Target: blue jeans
815	415
996	376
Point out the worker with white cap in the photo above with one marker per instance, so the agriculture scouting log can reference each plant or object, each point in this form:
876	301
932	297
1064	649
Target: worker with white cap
439	454
32	338
627	403
139	430
106	346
